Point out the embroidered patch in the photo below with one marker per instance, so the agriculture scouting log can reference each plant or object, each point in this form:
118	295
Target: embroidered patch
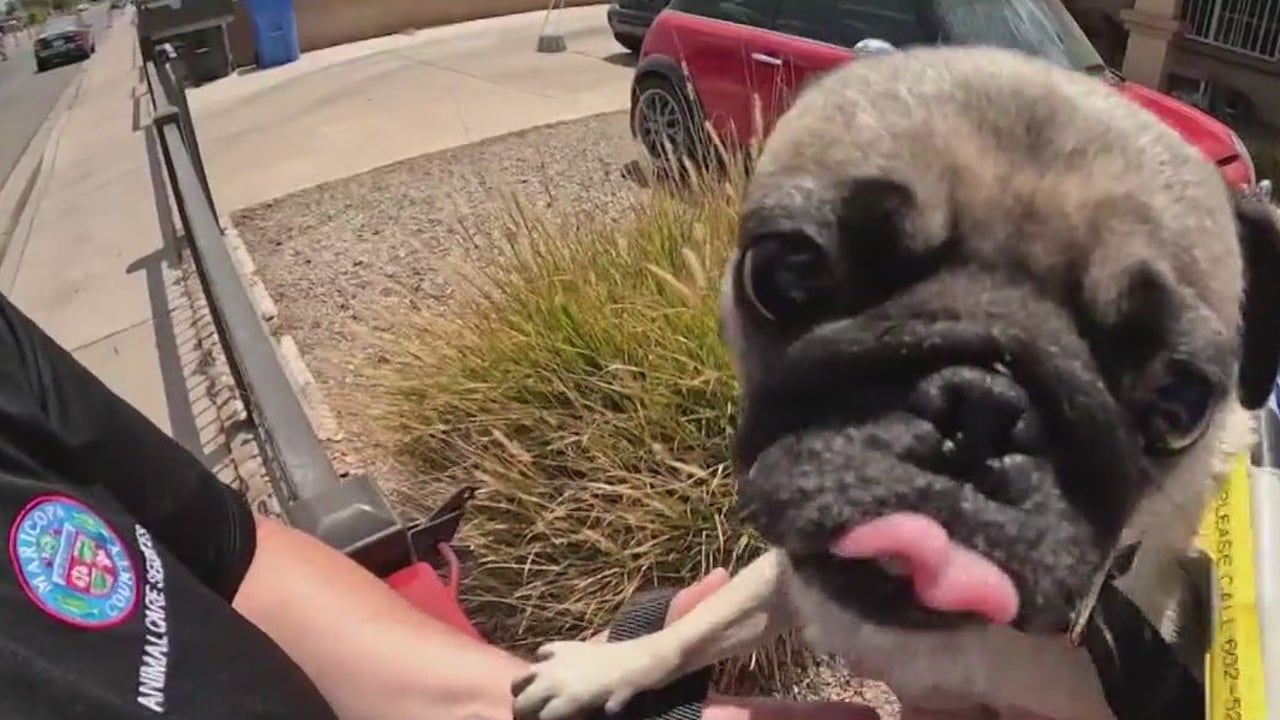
71	563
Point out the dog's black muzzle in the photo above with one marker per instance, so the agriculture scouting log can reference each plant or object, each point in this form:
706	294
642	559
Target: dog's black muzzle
1008	438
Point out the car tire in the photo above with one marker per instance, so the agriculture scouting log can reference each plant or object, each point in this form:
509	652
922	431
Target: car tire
669	127
631	42
41	67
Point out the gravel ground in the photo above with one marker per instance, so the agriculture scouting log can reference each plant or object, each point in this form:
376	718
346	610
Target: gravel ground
337	257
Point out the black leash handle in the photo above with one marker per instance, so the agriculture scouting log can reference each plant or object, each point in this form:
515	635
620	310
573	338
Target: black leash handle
646	613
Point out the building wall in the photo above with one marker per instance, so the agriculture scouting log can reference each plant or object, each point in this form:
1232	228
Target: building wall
1260	80
325	23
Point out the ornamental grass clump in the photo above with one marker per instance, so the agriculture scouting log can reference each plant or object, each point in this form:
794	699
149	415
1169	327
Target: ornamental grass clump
580	383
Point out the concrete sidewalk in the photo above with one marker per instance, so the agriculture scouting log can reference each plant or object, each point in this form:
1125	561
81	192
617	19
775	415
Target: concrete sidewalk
344	110
92	260
94	256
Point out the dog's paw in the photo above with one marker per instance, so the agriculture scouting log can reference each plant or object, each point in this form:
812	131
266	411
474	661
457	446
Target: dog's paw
573	678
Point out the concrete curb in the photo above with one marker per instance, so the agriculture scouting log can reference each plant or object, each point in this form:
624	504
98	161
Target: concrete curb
318	411
27	184
249	274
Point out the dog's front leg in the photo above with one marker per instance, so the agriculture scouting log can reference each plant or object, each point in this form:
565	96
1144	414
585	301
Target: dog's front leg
573	677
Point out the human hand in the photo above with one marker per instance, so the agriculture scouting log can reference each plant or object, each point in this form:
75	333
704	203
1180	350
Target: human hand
719	707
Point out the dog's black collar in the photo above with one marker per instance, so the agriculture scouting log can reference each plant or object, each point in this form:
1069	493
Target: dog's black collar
1143	677
1141	673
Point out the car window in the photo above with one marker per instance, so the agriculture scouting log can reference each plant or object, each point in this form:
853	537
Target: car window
1039	27
61	25
757	13
846	22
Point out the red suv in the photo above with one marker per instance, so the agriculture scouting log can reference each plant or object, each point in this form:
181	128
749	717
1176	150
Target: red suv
736	65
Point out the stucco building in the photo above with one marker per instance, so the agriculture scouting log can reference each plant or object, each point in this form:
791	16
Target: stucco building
1222	55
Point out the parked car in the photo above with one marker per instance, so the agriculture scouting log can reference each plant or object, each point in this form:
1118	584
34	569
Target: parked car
82	7
745	61
64	39
629	19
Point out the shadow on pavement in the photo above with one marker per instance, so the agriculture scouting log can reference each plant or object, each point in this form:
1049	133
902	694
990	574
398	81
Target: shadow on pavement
168	345
622	59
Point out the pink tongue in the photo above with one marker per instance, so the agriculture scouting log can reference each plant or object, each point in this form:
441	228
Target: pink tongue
947	577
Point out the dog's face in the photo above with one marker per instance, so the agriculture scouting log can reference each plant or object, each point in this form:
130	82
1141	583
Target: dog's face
976	288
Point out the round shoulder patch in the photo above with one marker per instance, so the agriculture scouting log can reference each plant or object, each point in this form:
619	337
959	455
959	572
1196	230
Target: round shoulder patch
71	563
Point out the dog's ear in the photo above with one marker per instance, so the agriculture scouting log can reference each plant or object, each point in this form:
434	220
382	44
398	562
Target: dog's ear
1259	229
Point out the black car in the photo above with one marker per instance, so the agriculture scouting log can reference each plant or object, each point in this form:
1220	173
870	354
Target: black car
64	39
629	19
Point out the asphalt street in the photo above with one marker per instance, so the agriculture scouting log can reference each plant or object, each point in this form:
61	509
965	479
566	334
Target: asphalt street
26	98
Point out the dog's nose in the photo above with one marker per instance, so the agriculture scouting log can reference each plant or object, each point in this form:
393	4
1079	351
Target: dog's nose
982	416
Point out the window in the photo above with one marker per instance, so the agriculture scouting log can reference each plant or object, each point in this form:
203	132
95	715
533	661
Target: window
1249	27
1042	28
757	13
846	22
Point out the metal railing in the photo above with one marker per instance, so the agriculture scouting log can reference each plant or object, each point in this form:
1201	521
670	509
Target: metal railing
350	514
1249	27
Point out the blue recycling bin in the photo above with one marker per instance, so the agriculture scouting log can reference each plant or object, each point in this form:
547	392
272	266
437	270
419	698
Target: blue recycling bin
275	32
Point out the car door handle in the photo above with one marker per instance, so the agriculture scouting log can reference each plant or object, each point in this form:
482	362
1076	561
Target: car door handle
766	59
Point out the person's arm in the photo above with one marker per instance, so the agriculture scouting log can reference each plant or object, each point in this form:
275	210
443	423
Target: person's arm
370	653
375	657
57	416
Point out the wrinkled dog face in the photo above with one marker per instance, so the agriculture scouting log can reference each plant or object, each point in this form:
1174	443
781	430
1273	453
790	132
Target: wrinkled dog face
978	288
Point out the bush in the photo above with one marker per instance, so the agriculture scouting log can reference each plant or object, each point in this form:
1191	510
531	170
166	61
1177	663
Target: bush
582	385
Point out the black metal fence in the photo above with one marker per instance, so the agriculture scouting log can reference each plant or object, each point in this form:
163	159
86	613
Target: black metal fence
351	513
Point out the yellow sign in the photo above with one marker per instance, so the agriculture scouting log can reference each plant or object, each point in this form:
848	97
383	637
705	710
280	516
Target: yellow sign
1233	670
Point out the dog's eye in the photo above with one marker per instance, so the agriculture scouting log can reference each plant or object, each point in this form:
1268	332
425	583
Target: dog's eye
1181	407
787	278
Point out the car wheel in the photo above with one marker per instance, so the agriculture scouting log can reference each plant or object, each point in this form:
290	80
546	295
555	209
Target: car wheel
41	67
631	42
668	125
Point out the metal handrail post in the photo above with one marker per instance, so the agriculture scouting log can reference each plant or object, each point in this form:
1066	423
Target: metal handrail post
165	55
1265	491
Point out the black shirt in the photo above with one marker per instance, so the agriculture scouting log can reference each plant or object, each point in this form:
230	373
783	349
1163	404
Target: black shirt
122	554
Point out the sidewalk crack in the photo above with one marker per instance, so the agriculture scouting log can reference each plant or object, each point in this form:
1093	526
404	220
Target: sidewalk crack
121	331
472	76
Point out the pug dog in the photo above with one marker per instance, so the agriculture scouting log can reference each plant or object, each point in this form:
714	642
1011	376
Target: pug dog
992	321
